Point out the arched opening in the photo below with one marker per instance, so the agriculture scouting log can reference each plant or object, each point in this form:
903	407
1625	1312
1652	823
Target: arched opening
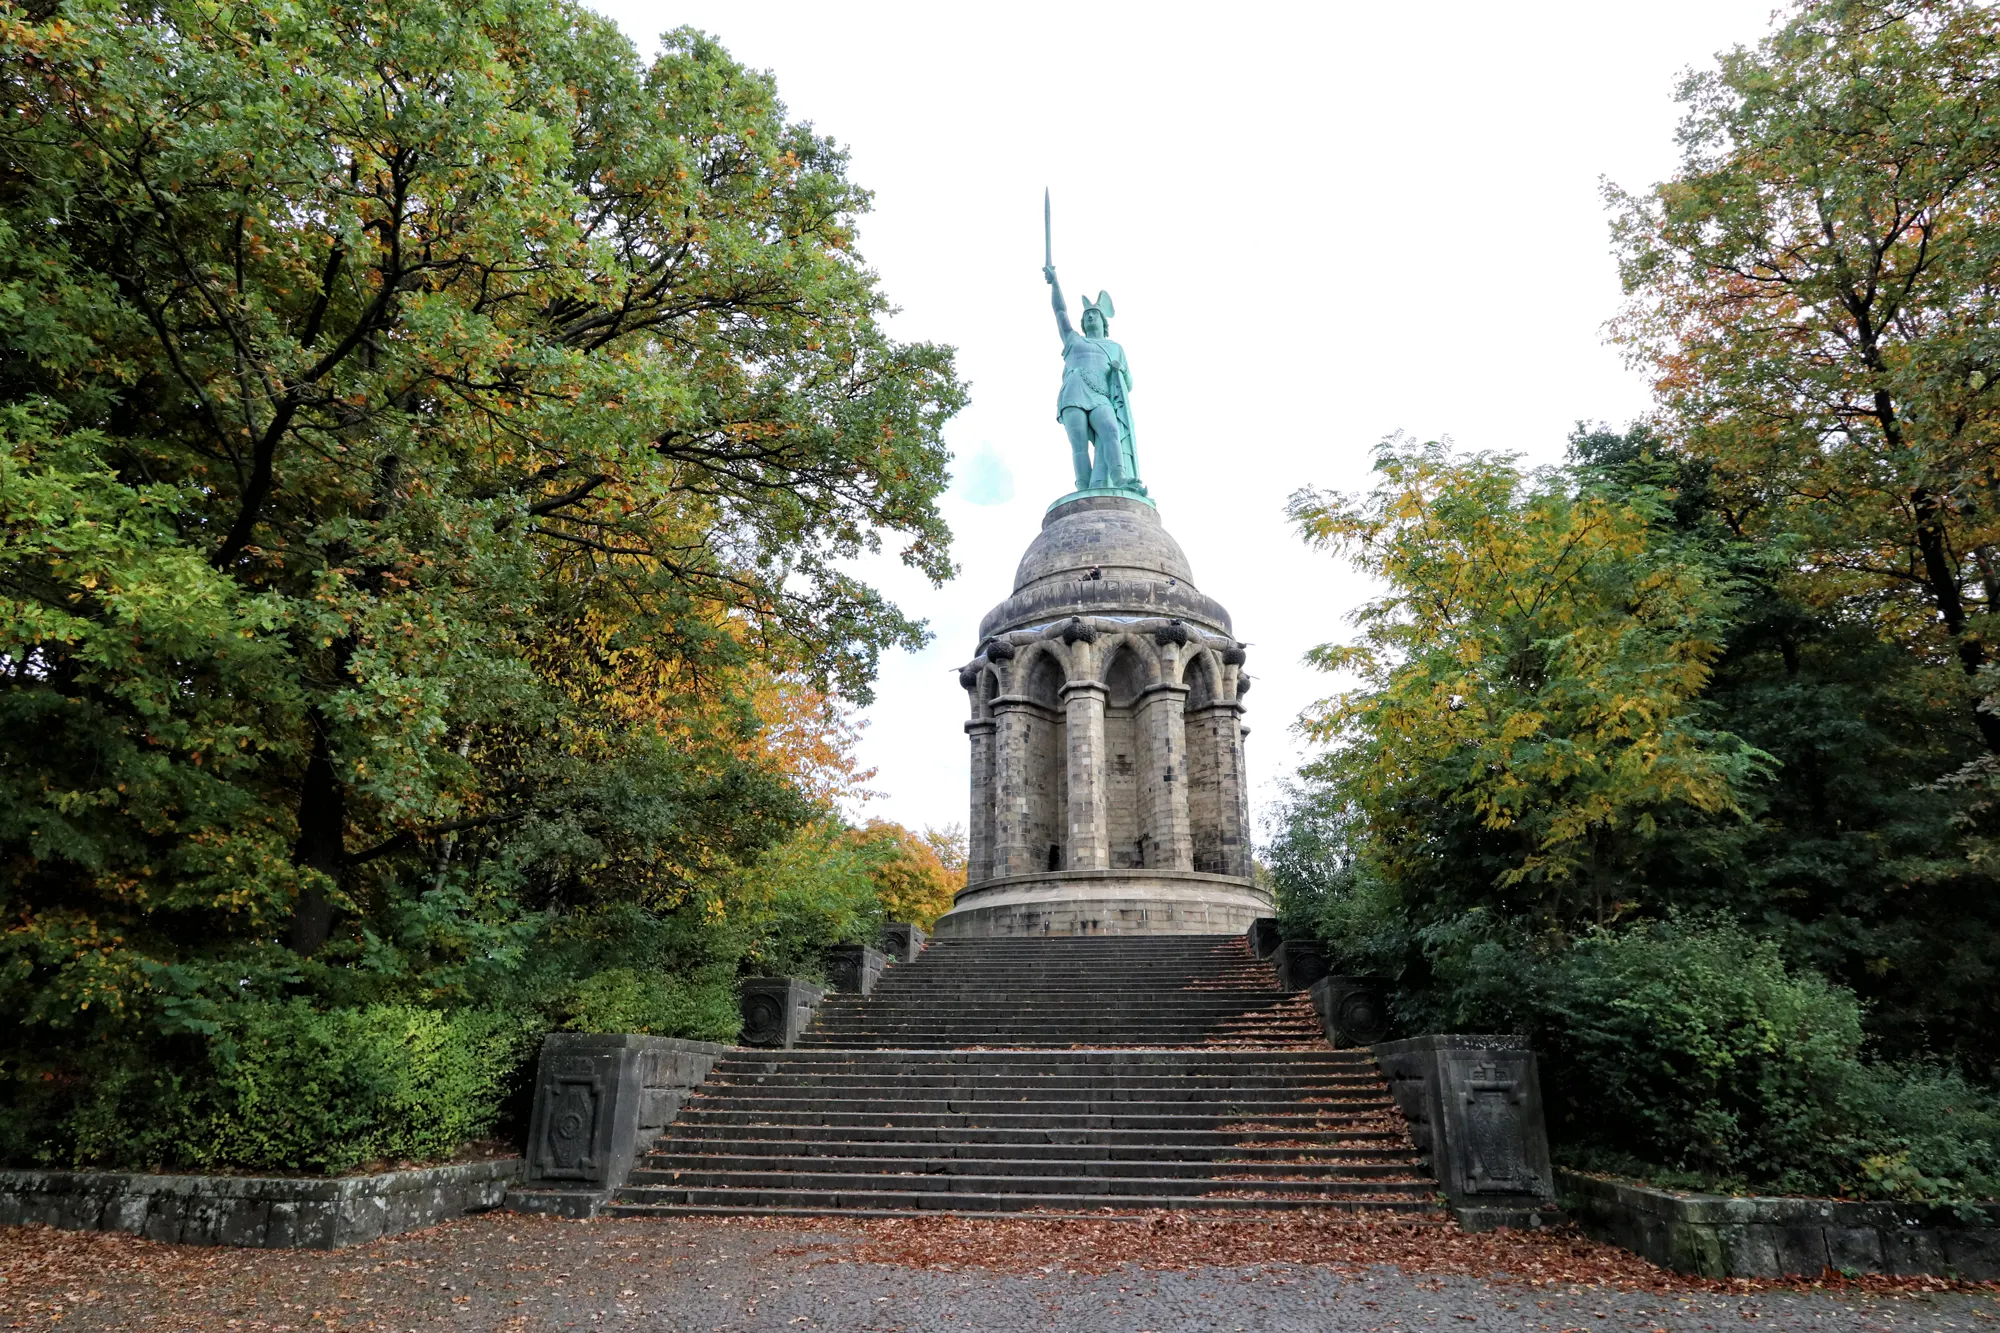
1125	760
1045	760
1207	789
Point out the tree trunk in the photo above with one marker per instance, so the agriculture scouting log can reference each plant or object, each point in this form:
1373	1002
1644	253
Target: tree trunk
322	840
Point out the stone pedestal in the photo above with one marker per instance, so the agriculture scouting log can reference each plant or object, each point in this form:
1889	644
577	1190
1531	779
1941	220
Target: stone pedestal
1354	1010
854	968
901	941
776	1010
1474	1103
600	1100
1299	963
1106	741
1264	936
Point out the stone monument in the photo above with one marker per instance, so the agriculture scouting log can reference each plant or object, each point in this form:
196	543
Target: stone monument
1108	789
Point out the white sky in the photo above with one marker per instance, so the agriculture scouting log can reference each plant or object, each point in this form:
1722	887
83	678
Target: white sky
1320	223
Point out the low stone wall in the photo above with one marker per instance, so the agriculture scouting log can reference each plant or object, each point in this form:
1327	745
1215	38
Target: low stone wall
267	1212
1719	1235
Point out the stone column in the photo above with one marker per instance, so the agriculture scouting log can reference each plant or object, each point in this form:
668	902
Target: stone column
1222	729
1163	725
1089	835
1011	853
979	836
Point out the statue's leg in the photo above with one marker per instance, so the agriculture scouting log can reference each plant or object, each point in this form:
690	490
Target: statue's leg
1078	425
1110	469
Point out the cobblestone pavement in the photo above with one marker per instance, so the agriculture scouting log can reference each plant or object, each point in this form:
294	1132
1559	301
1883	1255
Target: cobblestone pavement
526	1275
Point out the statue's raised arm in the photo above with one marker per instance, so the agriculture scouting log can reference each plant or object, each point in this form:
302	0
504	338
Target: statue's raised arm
1062	306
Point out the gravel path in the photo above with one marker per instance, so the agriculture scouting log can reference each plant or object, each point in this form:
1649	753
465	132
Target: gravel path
505	1272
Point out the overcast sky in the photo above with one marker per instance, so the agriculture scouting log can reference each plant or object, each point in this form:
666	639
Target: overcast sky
1320	223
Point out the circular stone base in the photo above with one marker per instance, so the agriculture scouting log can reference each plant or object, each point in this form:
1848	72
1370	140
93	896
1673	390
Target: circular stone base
1105	902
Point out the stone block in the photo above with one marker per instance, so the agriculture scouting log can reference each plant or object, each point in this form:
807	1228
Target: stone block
1353	1010
267	1212
901	941
1474	1104
594	1096
1299	963
776	1010
1264	936
854	968
1726	1236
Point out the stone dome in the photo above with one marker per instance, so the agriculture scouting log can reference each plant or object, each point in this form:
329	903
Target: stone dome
1122	537
1142	571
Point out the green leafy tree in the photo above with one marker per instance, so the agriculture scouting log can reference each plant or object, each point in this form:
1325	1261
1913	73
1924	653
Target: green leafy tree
1815	291
1527	713
425	432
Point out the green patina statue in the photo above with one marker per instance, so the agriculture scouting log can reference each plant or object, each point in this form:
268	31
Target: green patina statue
1095	405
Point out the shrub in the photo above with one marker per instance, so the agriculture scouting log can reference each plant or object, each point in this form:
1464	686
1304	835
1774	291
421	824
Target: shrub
1698	1049
624	999
288	1087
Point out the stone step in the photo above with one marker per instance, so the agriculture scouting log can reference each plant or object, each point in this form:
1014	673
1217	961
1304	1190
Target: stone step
1047	1121
1189	1057
1182	1138
685	1167
1068	1183
657	1201
1049	1103
670	1153
996	1085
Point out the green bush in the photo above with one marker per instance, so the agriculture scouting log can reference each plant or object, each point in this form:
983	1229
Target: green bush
625	999
291	1088
1687	1051
1697	1048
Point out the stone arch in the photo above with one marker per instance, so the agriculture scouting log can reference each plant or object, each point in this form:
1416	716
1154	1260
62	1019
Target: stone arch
1203	677
1045	757
1129	759
1210	766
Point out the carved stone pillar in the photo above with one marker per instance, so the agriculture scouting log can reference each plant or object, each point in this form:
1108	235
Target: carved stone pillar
1089	833
1012	854
1163	723
979	837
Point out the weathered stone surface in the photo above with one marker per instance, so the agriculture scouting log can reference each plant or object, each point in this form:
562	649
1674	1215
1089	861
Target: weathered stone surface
1354	1010
902	941
1106	732
1105	902
854	968
1474	1104
1299	963
265	1212
777	1009
600	1100
1717	1235
1264	936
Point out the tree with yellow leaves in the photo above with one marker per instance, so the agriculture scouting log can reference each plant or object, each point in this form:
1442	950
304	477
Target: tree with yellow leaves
1528	683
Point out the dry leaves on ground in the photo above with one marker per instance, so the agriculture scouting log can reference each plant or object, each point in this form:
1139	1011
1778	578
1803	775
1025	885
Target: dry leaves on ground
1180	1241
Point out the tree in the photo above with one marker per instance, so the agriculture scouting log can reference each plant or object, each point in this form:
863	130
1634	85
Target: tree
425	432
1816	291
1526	716
913	877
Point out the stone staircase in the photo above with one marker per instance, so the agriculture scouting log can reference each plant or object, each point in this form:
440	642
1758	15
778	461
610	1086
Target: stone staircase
1069	1074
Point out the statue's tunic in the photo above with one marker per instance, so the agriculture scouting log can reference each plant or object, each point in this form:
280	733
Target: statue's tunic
1088	365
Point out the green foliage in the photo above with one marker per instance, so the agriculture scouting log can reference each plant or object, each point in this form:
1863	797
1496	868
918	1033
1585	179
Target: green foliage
816	889
287	1087
1529	680
1689	1051
432	440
